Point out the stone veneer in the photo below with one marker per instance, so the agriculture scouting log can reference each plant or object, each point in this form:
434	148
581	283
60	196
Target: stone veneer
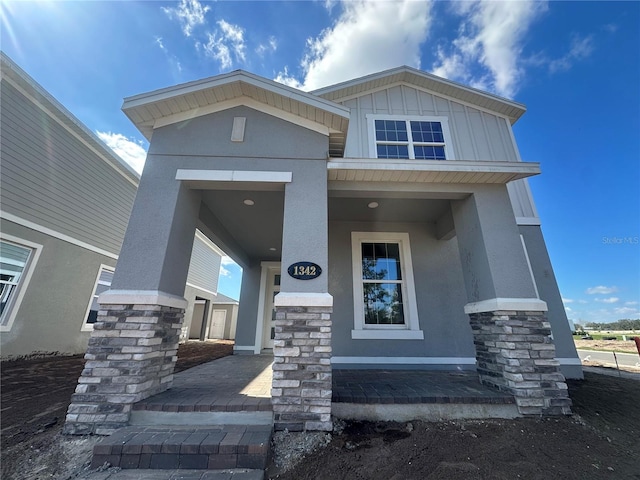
516	354
301	393
131	356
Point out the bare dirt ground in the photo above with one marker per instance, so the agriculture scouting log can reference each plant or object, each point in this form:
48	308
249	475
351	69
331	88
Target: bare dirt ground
601	441
35	394
628	346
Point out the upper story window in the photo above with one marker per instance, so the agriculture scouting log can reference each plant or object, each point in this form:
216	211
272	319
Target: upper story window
416	138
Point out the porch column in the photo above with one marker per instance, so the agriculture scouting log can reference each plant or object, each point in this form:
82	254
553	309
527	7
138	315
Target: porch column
133	347
514	348
301	392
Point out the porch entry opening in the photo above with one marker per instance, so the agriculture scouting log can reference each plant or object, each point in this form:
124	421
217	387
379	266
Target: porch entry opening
199	323
269	323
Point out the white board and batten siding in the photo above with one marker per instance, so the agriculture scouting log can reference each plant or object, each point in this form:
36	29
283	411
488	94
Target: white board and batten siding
204	269
53	180
476	134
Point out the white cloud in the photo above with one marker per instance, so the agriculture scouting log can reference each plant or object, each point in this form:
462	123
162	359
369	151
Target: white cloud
190	14
367	37
608	300
287	79
226	44
601	290
491	37
631	303
130	150
269	47
567	300
580	49
626	311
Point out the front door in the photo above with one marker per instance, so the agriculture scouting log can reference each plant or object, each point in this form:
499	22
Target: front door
272	288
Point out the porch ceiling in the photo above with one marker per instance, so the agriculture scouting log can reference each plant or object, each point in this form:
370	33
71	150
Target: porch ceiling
255	228
355	209
429	171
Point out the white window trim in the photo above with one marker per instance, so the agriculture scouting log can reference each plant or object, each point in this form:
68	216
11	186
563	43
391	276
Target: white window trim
14	305
411	329
444	121
88	327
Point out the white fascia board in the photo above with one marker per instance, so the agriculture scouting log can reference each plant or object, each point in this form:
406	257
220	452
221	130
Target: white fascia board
303	299
506	304
404	360
246	102
463	166
141	297
233	176
237	76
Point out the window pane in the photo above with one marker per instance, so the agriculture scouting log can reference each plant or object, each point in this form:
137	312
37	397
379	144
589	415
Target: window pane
381	261
428	132
383	304
391	131
393	151
429	153
104	283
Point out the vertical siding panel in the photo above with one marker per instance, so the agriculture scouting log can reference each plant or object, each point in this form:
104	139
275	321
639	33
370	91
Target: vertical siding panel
479	137
428	107
353	145
454	132
472	139
396	105
492	155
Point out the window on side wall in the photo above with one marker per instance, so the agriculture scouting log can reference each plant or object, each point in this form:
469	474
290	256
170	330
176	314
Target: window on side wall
103	283
16	261
415	138
383	287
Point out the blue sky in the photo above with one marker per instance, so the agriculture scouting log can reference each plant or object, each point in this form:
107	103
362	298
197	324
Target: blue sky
576	65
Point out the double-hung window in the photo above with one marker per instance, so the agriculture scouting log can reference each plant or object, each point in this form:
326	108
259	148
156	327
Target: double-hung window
383	288
16	265
103	283
416	138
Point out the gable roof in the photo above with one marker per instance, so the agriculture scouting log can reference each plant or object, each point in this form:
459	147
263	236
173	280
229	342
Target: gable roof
169	105
411	76
12	73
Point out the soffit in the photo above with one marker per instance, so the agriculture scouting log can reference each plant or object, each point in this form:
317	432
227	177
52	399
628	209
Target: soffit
411	76
429	171
149	109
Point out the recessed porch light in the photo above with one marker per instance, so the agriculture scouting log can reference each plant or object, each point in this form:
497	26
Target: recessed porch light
273	249
248	202
373	205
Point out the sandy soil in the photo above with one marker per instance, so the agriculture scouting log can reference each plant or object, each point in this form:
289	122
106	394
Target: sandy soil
34	397
601	441
608	345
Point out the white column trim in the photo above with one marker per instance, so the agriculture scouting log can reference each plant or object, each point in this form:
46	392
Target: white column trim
303	299
508	304
142	297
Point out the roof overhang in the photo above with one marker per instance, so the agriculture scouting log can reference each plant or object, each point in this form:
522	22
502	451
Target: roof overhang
429	171
169	105
411	76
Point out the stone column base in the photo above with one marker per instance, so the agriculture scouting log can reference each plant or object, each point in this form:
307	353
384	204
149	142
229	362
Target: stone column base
131	356
516	354
301	393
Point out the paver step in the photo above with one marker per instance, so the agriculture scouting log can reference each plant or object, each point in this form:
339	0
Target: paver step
171	447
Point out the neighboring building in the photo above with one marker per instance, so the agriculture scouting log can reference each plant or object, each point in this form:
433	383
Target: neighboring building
385	222
65	201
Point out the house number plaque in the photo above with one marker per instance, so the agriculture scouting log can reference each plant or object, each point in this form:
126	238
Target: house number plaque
304	270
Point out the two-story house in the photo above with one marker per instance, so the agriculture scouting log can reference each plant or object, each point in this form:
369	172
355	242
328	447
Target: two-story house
382	223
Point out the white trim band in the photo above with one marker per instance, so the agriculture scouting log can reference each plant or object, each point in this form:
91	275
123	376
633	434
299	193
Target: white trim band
303	299
405	360
508	304
233	176
60	236
141	297
387	334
